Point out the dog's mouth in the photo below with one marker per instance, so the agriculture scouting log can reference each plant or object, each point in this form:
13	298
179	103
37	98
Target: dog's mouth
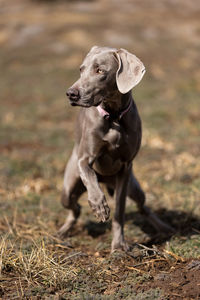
80	104
86	102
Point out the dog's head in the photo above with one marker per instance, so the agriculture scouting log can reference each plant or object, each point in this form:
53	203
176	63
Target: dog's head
103	73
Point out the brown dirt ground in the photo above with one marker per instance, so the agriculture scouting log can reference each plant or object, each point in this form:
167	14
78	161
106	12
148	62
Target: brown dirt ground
179	281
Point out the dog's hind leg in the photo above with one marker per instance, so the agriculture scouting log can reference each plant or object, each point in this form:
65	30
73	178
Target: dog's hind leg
73	188
136	193
118	241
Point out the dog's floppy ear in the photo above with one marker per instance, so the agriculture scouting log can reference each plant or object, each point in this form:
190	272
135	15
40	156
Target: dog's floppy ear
130	71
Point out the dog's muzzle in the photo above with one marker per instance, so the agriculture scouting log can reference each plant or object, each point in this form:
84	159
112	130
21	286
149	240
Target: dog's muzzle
73	95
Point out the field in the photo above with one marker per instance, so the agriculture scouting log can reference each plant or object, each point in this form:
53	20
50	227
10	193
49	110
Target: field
42	44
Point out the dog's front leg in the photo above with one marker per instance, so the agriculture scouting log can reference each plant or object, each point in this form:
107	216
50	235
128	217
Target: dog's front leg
118	241
96	197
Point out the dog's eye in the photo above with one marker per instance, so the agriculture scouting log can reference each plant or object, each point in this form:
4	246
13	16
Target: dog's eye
99	71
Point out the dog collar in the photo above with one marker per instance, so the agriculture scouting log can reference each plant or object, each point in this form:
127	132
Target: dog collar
106	115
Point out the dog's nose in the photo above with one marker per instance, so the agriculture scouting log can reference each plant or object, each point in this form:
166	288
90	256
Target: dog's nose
73	94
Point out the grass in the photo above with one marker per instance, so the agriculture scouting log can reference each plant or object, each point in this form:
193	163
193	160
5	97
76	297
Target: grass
36	139
186	247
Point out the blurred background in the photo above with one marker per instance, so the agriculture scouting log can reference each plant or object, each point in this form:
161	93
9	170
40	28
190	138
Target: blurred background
42	44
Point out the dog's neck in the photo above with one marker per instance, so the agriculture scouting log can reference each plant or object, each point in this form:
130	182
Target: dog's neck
117	103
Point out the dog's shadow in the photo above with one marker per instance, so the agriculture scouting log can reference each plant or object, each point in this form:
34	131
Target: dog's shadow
185	224
96	229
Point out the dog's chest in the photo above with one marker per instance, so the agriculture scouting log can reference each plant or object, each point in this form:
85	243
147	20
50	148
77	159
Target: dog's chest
115	136
116	142
114	151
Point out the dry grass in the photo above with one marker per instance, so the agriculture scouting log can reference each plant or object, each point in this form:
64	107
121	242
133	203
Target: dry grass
38	266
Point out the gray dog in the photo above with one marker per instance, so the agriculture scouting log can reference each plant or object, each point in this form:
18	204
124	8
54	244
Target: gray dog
108	138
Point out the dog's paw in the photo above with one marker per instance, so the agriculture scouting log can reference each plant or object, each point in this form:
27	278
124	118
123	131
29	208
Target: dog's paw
64	231
120	245
70	221
100	208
